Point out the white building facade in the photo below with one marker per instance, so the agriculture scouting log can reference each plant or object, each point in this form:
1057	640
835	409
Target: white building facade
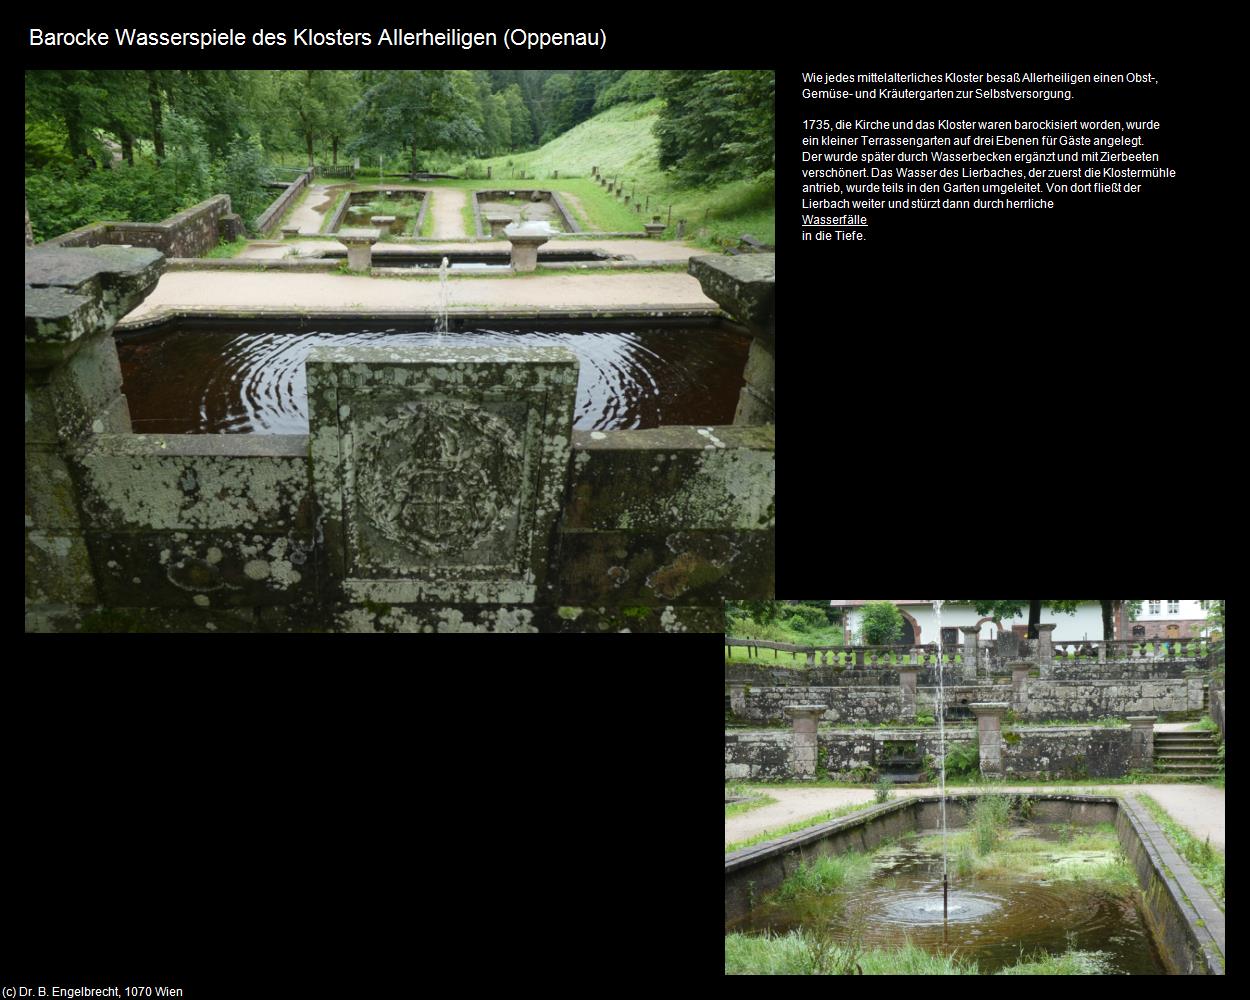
1084	623
1170	619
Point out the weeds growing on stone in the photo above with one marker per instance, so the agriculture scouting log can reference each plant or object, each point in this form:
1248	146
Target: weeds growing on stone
824	874
990	817
883	790
796	954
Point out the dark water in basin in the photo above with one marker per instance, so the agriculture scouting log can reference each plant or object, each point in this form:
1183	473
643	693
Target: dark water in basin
213	379
994	920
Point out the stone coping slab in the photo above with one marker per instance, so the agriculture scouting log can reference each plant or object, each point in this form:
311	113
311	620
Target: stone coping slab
72	292
743	285
165	314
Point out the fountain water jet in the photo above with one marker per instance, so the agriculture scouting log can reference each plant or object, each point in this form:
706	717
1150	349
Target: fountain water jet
440	324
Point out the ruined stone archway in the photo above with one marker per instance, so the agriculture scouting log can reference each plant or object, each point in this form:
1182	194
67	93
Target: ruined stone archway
913	625
992	621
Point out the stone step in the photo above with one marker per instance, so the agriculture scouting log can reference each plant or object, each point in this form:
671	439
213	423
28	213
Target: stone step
1184	738
1198	772
1184	758
1186	762
1185	743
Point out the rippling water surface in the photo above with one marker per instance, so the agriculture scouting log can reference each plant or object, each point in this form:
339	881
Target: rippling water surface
216	380
993	920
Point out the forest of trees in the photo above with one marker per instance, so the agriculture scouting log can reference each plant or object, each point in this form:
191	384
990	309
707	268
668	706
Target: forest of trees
144	144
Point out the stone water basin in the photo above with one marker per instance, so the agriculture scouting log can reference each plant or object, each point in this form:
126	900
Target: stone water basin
226	377
994	919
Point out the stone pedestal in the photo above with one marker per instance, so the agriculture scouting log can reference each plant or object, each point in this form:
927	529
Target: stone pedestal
497	224
382	220
738	699
525	246
803	747
1142	742
74	298
359	243
907	684
289	231
743	287
1020	685
654	229
989	734
971	650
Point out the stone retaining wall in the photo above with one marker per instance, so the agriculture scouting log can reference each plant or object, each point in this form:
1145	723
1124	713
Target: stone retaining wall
1069	751
192	233
1217	709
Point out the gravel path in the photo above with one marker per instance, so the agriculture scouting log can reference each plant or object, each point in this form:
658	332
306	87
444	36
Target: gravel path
1196	807
447	207
306	215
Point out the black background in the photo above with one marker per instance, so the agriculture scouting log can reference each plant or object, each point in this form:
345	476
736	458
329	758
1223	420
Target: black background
246	819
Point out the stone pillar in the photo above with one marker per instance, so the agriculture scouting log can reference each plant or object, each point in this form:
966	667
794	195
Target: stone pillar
488	173
653	229
989	734
1020	685
743	286
738	699
907	683
497	224
1045	652
971	648
525	250
594	171
681	228
359	243
74	298
803	747
1142	742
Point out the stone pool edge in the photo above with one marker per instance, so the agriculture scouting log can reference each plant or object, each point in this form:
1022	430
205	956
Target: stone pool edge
1186	946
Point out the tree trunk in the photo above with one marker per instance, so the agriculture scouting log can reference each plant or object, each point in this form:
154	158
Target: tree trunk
1035	616
128	147
1108	618
308	139
413	167
334	151
154	99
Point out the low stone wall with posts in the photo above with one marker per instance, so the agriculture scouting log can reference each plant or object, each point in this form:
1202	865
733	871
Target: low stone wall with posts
268	220
192	233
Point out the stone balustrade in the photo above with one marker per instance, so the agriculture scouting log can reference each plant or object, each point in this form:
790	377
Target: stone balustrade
997	655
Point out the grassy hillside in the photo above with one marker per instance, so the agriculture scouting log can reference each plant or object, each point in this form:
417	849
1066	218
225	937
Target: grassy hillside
620	143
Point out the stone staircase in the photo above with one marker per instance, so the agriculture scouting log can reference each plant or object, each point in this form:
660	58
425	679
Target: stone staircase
1191	753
